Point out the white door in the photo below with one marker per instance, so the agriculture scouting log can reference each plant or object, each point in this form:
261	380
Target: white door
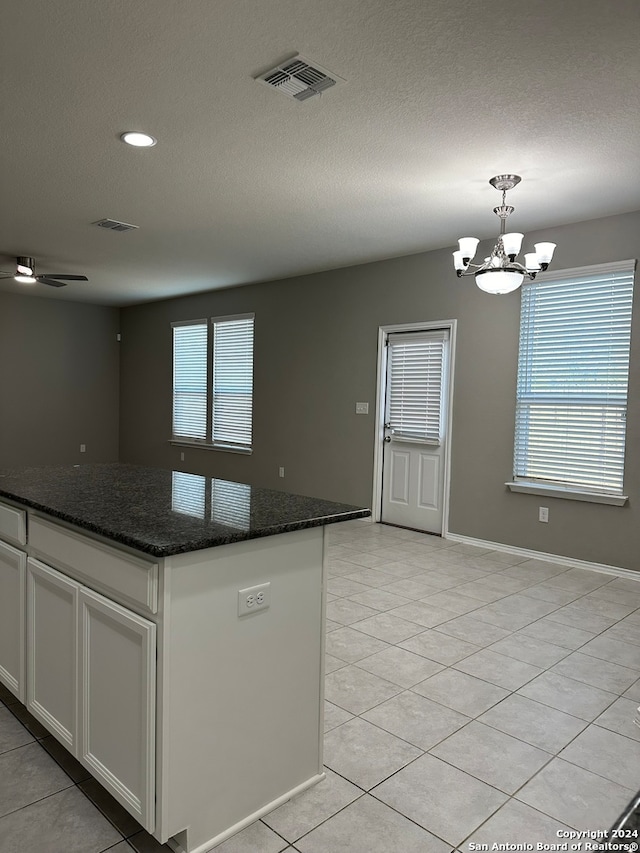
117	702
414	449
12	609
52	651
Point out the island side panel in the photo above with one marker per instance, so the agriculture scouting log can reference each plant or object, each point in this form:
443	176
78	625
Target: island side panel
242	695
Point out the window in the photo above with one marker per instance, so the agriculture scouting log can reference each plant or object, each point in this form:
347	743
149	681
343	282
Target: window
190	381
188	493
213	382
225	502
573	368
414	384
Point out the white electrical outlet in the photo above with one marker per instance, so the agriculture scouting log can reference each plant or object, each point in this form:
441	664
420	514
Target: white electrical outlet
182	457
543	513
281	471
254	598
83	448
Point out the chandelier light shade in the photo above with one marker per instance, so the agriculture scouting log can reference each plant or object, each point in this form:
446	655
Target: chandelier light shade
501	272
497	280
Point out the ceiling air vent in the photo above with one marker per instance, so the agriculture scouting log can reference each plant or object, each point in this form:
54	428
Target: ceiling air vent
300	79
114	225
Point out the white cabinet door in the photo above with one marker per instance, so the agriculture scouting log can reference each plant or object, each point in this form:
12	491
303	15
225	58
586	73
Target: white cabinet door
117	702
52	651
12	611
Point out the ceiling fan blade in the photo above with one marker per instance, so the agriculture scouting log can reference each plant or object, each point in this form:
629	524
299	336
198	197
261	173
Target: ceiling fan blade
67	277
44	279
7	274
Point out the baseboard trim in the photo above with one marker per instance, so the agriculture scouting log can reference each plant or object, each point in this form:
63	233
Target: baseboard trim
541	555
207	846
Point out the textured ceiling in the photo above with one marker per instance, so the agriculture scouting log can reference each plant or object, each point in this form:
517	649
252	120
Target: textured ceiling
246	185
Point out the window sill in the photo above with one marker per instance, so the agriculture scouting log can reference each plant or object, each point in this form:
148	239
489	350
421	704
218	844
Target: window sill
201	445
568	494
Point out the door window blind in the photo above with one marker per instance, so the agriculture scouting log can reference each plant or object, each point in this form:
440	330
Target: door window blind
232	400
190	380
414	384
573	369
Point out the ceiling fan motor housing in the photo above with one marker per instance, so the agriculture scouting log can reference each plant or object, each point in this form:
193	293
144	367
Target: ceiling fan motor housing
26	265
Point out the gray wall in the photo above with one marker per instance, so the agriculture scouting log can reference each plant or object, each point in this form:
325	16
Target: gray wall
315	356
59	382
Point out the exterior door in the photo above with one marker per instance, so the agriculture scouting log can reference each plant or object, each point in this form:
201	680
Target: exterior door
414	450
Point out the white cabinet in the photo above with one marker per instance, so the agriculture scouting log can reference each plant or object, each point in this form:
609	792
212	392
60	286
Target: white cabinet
117	702
91	682
13	525
117	574
12	613
52	660
199	721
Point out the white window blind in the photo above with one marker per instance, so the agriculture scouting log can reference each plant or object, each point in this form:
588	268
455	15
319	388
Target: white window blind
415	377
573	369
231	503
232	401
227	503
188	493
190	380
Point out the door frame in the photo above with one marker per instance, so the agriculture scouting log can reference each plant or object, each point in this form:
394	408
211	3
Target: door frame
381	382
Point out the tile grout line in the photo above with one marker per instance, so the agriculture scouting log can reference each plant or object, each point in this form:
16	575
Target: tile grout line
423	574
546	669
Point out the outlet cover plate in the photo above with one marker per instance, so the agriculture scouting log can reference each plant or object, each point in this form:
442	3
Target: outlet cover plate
254	598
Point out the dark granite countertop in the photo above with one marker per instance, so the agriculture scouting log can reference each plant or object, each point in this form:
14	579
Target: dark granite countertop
163	512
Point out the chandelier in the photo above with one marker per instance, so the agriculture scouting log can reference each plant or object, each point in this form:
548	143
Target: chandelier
500	272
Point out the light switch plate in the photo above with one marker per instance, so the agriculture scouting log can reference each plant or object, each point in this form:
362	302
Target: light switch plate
362	408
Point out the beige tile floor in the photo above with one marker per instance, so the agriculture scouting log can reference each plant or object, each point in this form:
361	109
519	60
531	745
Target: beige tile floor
472	696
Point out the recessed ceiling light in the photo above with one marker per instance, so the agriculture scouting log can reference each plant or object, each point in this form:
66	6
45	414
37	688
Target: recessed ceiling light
139	140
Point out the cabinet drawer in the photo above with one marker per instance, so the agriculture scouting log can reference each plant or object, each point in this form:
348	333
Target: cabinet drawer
13	526
118	574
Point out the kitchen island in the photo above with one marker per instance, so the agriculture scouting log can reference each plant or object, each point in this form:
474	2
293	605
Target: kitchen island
167	629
